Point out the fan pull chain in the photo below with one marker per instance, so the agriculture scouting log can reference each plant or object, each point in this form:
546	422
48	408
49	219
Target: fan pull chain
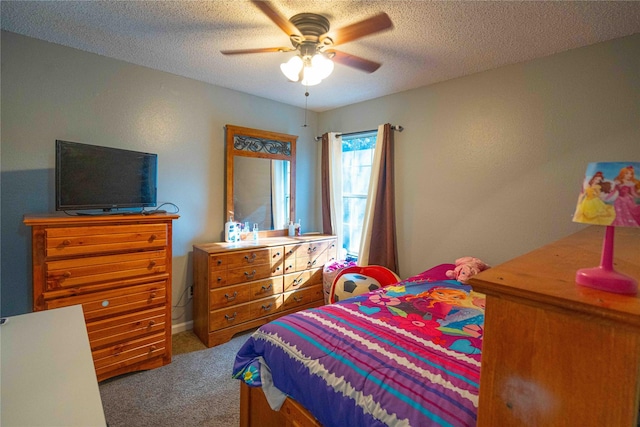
306	94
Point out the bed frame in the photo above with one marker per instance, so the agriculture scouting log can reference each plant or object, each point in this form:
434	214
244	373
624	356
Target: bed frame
594	381
256	412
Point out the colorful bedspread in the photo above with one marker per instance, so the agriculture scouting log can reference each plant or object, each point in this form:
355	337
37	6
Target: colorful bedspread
404	355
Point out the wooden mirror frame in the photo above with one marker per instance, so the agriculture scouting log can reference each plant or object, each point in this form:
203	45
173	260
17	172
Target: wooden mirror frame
270	145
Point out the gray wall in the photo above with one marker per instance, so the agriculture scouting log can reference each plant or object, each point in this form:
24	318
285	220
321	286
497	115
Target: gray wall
52	92
490	165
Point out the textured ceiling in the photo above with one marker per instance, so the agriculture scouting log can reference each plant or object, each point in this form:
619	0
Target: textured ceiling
431	41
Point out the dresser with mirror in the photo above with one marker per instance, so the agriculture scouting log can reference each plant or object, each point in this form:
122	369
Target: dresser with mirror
242	285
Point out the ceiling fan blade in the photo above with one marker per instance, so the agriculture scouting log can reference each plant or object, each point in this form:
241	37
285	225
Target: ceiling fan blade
354	61
256	50
360	29
284	24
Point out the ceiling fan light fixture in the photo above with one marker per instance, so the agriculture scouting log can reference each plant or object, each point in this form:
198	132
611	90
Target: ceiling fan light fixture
310	70
310	77
292	68
323	65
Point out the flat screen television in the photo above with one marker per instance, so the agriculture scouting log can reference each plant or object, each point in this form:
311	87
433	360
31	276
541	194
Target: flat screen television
91	177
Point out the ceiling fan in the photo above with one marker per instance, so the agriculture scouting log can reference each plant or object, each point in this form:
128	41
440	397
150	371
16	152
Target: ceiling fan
310	36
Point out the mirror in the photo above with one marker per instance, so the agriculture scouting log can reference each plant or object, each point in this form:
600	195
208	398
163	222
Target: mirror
260	177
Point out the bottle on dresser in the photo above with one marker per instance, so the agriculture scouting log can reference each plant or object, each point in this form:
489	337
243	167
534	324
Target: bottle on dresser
231	231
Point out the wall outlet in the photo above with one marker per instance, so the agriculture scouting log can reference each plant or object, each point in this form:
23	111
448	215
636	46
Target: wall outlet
191	291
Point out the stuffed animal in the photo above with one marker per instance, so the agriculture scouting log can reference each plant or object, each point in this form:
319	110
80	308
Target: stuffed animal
465	268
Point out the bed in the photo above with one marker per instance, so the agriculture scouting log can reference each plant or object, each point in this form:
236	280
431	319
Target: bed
406	355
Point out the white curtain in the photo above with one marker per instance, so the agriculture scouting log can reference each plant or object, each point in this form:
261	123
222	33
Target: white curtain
335	187
278	196
367	227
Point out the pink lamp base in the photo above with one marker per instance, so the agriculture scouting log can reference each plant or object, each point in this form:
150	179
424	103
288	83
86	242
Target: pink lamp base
607	280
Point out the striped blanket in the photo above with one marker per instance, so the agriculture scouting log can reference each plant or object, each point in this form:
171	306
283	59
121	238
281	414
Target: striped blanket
404	355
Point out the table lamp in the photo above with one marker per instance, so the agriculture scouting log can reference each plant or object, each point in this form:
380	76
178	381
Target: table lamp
610	196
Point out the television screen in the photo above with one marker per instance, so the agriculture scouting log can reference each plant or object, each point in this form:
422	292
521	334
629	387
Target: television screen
94	177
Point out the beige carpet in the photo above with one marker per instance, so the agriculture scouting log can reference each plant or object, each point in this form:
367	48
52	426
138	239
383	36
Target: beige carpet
186	342
195	389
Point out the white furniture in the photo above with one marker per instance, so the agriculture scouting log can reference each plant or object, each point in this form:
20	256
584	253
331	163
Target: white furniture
47	376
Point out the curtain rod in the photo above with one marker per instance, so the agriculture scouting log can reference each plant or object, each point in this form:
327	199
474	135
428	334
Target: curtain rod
398	128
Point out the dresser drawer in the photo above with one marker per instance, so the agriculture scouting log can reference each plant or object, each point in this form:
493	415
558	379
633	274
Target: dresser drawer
217	279
126	327
302	297
217	262
312	249
95	239
276	255
266	306
230	316
117	301
248	258
332	250
250	273
229	295
290	251
128	353
265	288
310	261
302	279
76	272
290	265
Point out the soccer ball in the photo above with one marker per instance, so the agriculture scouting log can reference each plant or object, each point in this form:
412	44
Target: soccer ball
353	284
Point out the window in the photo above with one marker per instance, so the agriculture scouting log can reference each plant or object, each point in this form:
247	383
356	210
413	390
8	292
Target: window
357	157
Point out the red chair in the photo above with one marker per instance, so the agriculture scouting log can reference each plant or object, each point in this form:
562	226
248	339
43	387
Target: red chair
358	280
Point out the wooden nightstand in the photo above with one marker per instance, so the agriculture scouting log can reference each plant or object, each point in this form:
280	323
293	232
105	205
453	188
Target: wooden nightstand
554	353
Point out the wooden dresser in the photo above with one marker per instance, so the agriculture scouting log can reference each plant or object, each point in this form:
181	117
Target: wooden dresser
554	353
118	267
240	286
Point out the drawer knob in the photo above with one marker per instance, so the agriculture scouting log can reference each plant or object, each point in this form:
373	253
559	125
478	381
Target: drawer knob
219	262
152	348
152	294
152	322
152	264
105	303
267	288
66	274
250	259
296	282
277	254
232	297
312	250
66	242
297	298
152	237
232	317
250	275
267	307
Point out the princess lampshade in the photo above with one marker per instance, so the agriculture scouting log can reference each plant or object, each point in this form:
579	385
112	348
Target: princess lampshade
610	197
